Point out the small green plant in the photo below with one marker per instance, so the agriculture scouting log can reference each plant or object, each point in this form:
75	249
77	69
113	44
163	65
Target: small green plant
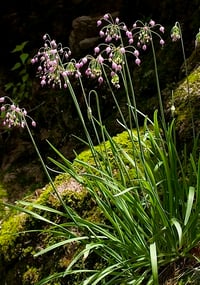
148	194
20	87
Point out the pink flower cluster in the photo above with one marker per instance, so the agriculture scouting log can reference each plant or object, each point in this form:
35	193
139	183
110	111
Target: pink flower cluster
12	115
50	58
145	32
140	32
55	66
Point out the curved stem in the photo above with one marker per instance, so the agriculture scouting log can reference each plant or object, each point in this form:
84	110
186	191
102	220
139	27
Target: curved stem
46	171
158	88
42	161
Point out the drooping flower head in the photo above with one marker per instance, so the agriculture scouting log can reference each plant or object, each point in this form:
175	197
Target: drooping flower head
112	29
54	64
118	41
143	32
175	32
12	115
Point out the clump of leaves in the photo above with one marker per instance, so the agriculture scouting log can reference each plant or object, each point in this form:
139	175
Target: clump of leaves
21	86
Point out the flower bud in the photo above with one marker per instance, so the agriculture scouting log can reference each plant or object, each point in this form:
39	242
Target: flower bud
175	33
138	61
99	23
33	123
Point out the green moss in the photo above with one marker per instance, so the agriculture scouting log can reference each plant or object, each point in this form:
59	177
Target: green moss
3	193
31	276
194	76
27	251
123	139
10	230
107	153
3	198
182	91
187	104
43	194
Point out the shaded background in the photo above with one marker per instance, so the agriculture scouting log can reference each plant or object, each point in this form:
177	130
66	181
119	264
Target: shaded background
29	20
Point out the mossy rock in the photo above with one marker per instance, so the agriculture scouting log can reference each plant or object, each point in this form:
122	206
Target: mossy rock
20	238
18	245
186	99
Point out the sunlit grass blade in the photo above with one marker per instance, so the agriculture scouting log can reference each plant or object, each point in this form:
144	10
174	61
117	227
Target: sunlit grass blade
154	263
90	247
50	278
61	243
190	201
179	231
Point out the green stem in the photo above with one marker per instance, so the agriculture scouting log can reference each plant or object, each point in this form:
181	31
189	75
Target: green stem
44	167
134	104
158	88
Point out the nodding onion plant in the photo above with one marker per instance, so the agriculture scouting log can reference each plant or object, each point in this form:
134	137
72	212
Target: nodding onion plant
149	200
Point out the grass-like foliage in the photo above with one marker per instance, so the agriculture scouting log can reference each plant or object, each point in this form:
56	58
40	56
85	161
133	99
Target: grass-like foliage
148	192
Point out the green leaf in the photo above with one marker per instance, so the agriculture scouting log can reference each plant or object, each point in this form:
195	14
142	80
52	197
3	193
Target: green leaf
81	254
16	66
179	230
59	244
154	263
24	57
8	86
25	77
190	201
50	278
20	47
